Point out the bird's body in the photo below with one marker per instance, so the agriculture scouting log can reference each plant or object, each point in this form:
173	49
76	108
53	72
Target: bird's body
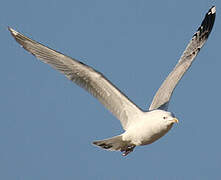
141	127
149	127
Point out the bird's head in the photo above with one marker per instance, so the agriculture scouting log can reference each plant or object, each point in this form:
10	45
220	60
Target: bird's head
164	117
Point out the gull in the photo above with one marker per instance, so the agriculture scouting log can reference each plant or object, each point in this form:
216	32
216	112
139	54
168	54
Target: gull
141	127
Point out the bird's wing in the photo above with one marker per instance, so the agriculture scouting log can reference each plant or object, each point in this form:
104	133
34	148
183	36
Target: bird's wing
86	77
163	95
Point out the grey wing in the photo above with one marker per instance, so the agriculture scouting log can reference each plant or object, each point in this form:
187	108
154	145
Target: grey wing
163	95
86	77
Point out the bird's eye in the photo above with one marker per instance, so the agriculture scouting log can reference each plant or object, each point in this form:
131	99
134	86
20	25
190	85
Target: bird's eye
164	117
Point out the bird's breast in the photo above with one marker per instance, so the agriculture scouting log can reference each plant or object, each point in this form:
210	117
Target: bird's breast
144	133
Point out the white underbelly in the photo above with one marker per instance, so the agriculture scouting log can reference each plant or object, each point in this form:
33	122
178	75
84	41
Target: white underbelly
144	134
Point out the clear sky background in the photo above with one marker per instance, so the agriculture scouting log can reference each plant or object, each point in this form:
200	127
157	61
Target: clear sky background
47	123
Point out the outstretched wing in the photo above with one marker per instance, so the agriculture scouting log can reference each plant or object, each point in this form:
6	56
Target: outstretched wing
163	95
86	77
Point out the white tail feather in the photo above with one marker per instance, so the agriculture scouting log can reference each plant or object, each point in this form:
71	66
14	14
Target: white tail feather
113	144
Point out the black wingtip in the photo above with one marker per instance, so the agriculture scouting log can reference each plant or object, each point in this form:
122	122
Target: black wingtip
212	10
207	24
209	18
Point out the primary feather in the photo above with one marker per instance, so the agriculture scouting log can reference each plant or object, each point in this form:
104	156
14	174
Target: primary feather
141	127
163	95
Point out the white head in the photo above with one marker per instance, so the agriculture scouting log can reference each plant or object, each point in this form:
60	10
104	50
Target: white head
153	125
163	117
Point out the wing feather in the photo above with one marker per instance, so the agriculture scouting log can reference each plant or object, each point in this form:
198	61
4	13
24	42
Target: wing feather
164	93
86	77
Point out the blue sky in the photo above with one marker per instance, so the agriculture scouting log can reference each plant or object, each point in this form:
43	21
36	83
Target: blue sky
48	123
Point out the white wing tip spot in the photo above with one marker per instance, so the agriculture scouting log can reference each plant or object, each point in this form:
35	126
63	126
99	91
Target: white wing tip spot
213	10
15	33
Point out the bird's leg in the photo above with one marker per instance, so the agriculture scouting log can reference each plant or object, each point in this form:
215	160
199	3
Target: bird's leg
128	150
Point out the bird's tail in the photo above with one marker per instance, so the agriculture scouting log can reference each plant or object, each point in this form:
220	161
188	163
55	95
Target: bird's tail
113	144
116	143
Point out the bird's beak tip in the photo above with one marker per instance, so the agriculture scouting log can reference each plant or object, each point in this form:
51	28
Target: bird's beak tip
175	120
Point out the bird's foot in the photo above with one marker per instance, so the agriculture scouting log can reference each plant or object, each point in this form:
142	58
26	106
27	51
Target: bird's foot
128	150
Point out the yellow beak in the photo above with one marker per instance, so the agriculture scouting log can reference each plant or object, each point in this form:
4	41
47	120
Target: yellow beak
175	120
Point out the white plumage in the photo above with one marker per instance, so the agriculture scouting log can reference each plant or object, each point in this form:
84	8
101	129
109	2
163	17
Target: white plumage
141	128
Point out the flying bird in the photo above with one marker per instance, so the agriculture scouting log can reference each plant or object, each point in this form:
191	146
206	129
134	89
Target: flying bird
141	127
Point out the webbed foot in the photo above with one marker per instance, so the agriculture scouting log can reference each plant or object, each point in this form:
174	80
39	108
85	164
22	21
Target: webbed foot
128	150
